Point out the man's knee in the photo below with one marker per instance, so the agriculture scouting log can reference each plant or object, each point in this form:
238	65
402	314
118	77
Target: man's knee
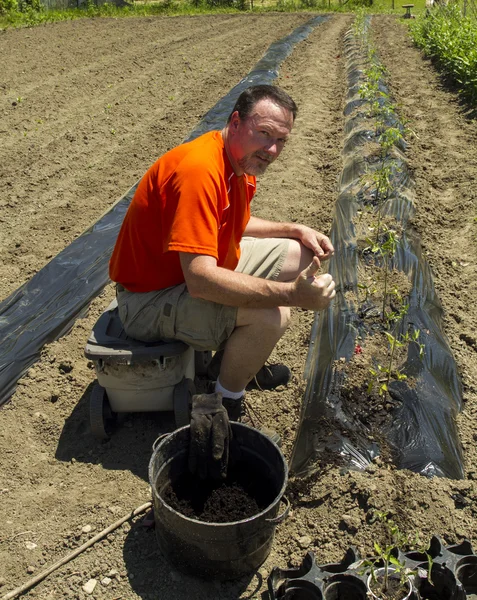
267	319
298	258
278	319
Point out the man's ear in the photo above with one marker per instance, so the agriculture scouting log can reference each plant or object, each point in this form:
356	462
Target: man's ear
235	121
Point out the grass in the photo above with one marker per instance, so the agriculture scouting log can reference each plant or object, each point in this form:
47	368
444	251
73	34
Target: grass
21	13
29	17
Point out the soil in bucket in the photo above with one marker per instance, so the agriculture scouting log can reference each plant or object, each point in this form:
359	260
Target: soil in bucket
238	497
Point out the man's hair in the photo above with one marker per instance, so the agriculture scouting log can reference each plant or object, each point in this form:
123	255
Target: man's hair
249	97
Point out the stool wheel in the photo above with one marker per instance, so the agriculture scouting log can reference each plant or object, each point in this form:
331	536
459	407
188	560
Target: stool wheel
101	417
182	399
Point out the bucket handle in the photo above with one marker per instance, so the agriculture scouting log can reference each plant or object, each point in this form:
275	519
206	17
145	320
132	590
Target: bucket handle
158	440
283	516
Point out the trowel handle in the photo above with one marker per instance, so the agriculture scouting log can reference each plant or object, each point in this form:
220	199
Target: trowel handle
284	514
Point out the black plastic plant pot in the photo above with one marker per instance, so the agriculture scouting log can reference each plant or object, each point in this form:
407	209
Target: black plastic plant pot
439	584
345	586
300	590
466	573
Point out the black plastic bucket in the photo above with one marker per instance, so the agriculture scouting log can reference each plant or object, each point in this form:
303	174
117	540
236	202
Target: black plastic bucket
218	550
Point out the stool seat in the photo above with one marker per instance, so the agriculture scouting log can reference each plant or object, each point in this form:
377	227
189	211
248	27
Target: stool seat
109	341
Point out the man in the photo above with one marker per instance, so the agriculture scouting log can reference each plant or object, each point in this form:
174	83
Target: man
192	264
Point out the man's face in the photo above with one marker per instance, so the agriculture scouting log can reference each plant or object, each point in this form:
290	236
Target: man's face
257	141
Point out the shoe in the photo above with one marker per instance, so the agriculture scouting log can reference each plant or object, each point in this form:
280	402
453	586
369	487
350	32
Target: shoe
235	408
269	377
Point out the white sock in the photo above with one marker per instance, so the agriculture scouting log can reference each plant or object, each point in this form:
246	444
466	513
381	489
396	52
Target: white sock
227	393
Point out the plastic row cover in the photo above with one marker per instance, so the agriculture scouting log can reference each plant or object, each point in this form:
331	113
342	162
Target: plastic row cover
421	432
47	306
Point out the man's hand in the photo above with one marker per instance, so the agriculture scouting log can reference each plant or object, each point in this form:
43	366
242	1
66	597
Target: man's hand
210	434
317	242
314	293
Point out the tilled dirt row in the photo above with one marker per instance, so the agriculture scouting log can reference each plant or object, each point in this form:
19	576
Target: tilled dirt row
59	486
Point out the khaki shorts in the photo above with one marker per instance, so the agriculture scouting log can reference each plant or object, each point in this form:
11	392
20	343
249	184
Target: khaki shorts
173	314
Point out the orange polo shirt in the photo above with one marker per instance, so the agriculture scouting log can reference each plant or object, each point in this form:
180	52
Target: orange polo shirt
190	200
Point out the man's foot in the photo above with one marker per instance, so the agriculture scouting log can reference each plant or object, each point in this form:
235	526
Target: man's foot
269	377
235	408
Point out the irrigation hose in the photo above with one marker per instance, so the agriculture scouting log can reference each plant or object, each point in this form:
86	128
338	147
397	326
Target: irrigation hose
34	580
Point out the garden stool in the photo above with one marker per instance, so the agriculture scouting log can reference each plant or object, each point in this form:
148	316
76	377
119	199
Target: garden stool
408	7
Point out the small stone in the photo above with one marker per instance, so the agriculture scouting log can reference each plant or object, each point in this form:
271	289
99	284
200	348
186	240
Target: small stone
112	573
89	586
350	523
295	559
106	581
30	545
30	569
86	529
304	541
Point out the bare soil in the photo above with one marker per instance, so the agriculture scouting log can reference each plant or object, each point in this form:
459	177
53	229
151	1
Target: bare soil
86	107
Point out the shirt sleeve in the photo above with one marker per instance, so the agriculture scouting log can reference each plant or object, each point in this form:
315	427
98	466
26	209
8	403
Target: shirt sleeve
195	198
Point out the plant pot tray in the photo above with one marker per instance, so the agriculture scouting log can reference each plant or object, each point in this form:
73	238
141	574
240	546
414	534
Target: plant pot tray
453	575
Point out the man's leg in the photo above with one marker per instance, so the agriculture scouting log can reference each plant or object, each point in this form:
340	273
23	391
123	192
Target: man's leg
297	259
257	331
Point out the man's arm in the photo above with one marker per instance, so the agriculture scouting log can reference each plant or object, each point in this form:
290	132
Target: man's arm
204	279
314	240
